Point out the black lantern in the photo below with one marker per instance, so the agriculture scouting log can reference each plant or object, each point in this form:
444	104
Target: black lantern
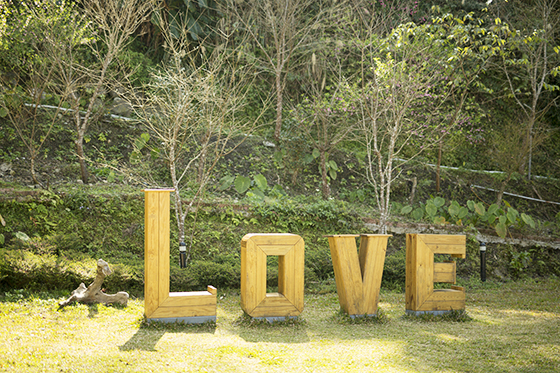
483	261
182	255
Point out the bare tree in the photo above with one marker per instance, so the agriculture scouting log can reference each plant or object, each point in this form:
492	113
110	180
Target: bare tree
280	29
510	152
33	125
193	114
397	78
21	101
529	59
109	25
326	112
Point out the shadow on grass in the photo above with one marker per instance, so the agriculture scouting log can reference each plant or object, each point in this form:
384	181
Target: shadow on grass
289	331
93	308
149	333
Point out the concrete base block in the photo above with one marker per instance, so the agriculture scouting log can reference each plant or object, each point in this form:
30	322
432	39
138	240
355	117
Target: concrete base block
435	313
272	319
185	320
358	316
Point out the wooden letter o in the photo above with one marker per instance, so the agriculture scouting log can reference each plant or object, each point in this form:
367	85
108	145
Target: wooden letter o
255	301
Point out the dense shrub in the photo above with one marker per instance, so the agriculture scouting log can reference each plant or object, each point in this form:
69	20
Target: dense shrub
52	242
224	275
394	271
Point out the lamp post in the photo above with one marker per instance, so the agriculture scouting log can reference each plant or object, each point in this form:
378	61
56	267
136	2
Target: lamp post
182	255
483	261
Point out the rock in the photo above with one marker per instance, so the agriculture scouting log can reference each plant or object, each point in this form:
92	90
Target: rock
5	167
121	107
117	92
97	104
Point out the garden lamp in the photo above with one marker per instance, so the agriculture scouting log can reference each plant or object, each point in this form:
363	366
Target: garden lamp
483	261
182	255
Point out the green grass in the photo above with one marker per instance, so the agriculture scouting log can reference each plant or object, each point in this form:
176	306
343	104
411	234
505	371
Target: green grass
512	327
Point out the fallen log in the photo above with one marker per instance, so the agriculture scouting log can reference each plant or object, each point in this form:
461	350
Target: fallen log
93	293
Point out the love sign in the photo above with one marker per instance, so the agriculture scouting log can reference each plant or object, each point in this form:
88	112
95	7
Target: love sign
357	273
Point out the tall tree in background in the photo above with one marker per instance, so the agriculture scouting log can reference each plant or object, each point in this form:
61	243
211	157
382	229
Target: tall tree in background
467	46
509	152
530	57
326	112
400	77
21	99
83	84
193	112
280	29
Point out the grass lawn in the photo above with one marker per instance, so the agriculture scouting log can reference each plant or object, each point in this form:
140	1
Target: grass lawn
514	327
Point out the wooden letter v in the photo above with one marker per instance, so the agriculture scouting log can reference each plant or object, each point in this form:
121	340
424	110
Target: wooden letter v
358	276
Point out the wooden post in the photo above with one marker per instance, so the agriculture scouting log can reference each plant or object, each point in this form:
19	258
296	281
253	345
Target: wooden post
159	303
358	276
422	272
255	301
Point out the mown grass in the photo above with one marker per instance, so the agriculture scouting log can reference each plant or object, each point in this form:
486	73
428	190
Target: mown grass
512	327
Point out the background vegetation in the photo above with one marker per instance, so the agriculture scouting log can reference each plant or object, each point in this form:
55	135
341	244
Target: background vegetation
306	117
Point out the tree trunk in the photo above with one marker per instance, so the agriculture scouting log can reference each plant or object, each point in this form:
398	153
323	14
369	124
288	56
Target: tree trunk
202	159
93	293
279	103
82	158
413	191
33	175
503	189
438	167
325	188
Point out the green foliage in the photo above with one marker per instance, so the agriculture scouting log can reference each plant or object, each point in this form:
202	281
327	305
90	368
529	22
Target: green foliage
520	260
256	190
200	17
475	214
318	261
2	237
28	25
343	318
242	183
394	272
289	215
223	274
139	64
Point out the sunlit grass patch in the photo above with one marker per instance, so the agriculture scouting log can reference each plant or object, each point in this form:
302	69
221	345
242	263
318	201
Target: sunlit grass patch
505	334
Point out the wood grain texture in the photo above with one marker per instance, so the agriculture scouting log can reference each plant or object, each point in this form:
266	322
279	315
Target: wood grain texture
422	272
373	249
288	301
445	272
158	301
358	275
163	244
151	244
410	272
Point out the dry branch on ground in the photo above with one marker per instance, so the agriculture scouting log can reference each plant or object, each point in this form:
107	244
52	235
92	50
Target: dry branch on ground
93	293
